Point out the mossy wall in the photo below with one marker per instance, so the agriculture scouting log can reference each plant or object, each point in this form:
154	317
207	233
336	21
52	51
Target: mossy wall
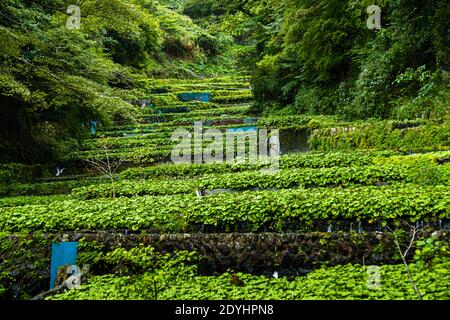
25	267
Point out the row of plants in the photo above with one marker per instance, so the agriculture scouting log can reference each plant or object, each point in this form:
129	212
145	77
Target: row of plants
334	124
185	106
230	93
336	176
283	179
422	168
440	157
213	81
237	97
161	137
219	96
152	152
348	282
249	211
134	156
307	121
189	121
143	273
191	107
151	140
30	200
419	169
383	135
167	116
152	130
46	188
289	161
121	143
147	131
128	134
161	134
183	87
134	188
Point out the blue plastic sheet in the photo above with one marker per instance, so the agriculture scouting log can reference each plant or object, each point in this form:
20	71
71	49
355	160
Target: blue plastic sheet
195	96
63	254
243	129
93	126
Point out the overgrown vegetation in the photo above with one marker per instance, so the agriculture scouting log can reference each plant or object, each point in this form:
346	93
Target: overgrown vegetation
319	57
54	80
363	117
181	282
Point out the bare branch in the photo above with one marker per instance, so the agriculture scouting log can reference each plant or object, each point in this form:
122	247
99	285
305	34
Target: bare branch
106	167
404	254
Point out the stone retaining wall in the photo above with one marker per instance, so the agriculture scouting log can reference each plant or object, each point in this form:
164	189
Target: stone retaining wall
26	259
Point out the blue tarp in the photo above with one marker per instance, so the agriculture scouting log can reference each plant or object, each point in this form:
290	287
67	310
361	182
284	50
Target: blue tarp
243	129
93	126
195	96
63	254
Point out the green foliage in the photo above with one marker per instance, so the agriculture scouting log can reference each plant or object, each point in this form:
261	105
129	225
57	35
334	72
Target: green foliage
27	200
24	265
248	180
322	59
44	188
290	161
55	80
252	211
141	259
306	121
314	65
384	135
347	282
142	271
431	252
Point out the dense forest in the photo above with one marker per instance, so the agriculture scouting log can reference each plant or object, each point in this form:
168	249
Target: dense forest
55	79
334	183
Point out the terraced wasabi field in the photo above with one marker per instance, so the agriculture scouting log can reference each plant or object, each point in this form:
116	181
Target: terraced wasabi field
316	228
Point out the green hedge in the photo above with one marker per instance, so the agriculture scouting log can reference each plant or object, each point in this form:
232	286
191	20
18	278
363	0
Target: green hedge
45	188
248	211
151	130
284	179
290	161
30	200
310	121
384	135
